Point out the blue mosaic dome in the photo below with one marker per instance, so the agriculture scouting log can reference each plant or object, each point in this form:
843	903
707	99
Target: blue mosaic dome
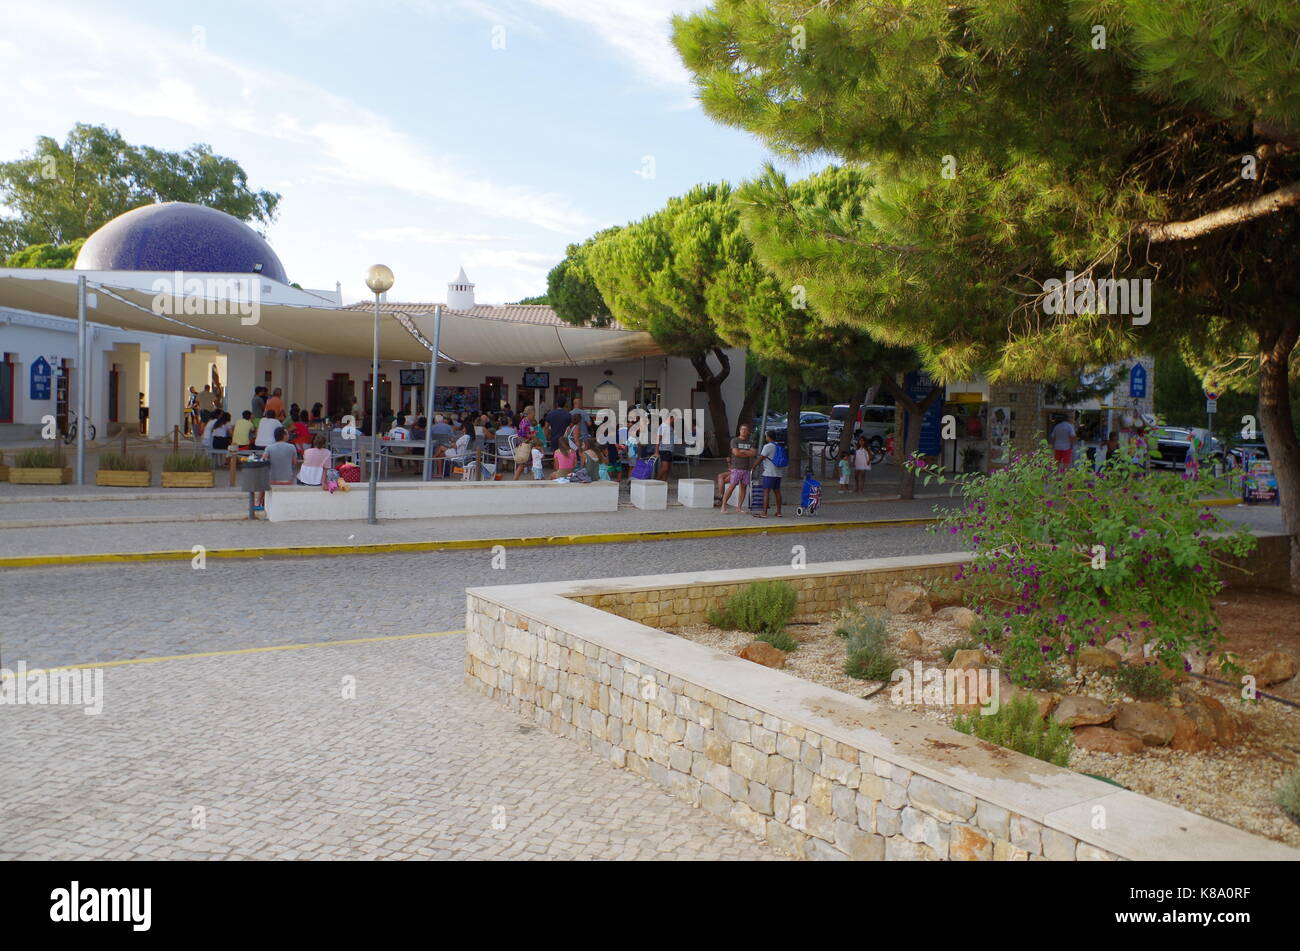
177	236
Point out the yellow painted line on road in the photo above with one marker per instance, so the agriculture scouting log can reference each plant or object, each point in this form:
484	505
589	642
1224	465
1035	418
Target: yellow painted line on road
603	538
768	527
230	653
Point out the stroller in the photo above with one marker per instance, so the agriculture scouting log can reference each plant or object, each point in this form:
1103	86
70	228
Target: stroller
810	496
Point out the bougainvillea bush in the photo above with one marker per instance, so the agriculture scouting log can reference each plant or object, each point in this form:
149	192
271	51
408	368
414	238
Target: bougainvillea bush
1066	558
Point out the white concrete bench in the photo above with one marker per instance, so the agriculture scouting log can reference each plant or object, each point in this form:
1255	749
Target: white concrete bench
649	494
289	503
695	493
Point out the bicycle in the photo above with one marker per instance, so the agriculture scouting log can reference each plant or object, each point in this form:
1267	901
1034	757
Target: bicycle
70	436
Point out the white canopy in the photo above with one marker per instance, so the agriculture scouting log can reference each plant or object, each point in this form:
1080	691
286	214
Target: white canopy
291	319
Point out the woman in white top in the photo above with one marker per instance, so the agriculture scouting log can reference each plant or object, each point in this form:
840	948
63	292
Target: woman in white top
266	431
314	462
861	463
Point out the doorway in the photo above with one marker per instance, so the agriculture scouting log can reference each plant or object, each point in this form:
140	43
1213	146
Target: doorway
7	389
491	394
340	394
567	389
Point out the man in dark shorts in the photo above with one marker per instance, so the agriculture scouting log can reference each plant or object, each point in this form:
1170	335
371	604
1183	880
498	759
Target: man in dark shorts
556	422
771	475
740	463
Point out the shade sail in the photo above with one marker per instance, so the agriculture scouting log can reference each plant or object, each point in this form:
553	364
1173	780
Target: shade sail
291	319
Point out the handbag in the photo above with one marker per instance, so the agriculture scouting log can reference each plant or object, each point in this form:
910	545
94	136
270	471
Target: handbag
644	469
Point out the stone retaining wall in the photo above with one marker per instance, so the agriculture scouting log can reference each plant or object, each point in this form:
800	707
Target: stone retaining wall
816	773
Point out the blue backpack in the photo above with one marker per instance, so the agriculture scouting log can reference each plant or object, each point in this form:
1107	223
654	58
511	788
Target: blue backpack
780	458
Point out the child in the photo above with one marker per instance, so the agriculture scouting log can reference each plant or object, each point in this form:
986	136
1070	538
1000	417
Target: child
537	458
861	464
846	471
566	458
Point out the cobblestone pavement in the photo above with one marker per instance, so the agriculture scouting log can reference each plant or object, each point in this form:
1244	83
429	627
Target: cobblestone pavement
83	613
259	756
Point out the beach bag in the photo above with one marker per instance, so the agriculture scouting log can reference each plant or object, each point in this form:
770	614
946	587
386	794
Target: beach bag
780	458
580	475
644	469
523	453
350	472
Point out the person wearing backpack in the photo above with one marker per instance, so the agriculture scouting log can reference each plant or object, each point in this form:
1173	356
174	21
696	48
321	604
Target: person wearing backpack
774	459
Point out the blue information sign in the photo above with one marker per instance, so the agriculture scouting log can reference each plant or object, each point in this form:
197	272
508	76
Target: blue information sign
1137	382
918	386
41	379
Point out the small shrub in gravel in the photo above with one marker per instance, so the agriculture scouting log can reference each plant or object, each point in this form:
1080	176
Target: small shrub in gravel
1017	726
1288	795
869	657
764	607
778	639
1143	682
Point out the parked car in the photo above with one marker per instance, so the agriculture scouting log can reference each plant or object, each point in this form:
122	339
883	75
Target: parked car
812	426
1175	442
877	425
1237	454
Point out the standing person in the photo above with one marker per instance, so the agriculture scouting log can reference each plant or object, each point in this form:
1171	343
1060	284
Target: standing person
846	472
861	465
527	423
664	447
1063	439
536	454
555	423
207	404
741	462
144	417
772	454
192	412
276	404
259	402
584	421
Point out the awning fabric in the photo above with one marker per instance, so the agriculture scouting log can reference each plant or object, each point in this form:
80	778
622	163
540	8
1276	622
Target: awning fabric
290	319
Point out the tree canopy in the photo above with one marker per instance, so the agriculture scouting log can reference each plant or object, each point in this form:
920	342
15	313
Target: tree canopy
997	145
61	192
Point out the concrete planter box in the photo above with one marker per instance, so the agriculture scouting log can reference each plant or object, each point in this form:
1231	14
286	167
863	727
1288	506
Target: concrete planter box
187	480
286	503
817	773
19	476
125	478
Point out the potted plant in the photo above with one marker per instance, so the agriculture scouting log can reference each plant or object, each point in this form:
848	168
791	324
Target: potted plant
39	467
971	459
187	470
121	469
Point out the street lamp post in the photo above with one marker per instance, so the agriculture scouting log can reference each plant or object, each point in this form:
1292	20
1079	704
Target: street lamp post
379	279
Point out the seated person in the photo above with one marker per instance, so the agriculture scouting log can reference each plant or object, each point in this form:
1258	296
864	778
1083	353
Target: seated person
282	456
242	435
455	453
218	433
315	461
420	428
566	460
266	430
301	434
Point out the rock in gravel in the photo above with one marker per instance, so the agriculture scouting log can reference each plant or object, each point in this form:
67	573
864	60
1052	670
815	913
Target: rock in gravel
1119	646
911	642
1205	718
1083	711
1099	657
1274	667
1225	725
907	599
1150	722
761	652
964	660
963	619
1100	739
1188	736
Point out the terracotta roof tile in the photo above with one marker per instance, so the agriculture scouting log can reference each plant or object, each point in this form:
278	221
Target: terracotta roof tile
518	313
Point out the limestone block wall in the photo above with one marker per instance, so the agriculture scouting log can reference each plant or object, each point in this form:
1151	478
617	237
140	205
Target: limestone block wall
816	773
819	593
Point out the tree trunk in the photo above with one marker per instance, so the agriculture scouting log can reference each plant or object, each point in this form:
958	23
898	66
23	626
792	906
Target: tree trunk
793	404
718	425
750	406
1276	347
915	412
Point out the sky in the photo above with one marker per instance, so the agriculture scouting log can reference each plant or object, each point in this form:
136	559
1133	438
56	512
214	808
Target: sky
423	134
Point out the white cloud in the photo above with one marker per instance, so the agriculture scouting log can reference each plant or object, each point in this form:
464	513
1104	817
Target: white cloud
144	73
428	236
533	262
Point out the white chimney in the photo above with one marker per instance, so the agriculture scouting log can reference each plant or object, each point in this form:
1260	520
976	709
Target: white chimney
460	293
